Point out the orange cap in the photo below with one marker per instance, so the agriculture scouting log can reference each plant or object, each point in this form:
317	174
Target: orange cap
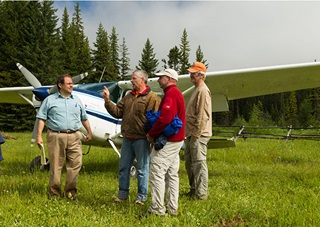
196	67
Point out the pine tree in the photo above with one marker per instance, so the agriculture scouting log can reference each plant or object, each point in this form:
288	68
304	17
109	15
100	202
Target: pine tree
114	54
32	40
79	49
67	45
173	59
124	60
148	62
200	57
13	15
292	110
184	53
50	64
101	56
305	115
316	103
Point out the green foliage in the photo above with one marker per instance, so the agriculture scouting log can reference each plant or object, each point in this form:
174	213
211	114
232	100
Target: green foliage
258	117
200	57
184	53
114	54
124	60
101	56
148	61
258	183
292	110
305	116
174	57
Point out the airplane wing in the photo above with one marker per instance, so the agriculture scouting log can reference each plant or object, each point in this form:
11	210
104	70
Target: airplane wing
16	95
244	83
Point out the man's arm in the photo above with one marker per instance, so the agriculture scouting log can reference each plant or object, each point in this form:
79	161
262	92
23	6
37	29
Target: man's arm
86	125
39	132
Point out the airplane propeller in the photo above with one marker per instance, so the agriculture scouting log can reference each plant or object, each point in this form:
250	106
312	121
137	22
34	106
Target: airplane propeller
36	84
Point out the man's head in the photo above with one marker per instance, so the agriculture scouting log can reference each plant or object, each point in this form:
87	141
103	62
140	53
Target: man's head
167	77
139	80
65	84
197	73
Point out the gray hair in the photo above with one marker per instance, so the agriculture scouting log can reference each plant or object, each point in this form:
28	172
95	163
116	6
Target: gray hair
142	74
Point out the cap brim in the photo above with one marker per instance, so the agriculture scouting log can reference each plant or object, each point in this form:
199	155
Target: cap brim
192	70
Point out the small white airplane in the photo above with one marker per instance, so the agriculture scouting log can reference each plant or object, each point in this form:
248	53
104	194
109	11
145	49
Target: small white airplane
224	86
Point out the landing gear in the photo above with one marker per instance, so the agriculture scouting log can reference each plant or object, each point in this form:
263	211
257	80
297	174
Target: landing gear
36	165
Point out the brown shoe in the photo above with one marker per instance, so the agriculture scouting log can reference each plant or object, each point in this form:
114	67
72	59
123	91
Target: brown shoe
139	202
119	200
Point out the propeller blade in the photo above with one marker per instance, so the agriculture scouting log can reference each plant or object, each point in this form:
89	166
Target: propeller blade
29	76
75	80
53	89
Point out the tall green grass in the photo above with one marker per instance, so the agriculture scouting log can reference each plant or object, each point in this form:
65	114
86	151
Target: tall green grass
258	183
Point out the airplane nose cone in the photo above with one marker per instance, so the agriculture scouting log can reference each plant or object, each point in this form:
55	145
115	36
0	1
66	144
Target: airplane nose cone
41	93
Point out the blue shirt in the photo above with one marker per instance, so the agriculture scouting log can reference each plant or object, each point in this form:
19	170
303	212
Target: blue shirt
62	113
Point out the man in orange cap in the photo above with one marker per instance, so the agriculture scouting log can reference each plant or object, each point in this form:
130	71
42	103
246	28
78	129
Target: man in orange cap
198	132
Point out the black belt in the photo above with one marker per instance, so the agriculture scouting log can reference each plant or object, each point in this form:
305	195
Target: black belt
67	131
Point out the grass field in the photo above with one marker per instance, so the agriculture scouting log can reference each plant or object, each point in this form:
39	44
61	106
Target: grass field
258	183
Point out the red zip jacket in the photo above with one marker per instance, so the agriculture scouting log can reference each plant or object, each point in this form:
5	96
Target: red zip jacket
171	104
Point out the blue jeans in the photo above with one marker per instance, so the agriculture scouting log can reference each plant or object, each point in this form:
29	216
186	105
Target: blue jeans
130	150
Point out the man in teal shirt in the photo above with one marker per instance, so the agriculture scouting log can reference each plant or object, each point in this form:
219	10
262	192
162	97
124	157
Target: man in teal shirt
64	114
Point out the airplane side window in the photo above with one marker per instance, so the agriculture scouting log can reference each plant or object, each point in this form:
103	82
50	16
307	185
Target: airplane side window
114	93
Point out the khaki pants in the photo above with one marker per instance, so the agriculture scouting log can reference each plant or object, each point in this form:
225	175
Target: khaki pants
64	147
195	156
164	167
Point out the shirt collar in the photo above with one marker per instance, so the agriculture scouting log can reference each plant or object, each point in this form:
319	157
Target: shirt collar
144	92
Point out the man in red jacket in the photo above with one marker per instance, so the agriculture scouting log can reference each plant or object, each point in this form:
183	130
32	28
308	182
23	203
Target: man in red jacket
164	163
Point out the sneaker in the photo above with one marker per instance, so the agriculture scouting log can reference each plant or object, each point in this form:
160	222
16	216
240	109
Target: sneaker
119	200
139	202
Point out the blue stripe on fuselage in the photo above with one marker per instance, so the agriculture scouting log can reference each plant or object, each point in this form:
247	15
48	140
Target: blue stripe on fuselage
104	117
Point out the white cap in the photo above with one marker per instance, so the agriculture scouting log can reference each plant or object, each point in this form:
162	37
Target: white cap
168	72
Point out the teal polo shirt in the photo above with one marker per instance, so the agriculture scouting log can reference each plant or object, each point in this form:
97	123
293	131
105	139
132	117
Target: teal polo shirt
62	113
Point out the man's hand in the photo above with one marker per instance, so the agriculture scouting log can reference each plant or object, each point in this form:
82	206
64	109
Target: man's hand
39	141
106	94
88	137
150	139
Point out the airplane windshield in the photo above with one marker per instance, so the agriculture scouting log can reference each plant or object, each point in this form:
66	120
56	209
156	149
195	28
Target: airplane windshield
98	87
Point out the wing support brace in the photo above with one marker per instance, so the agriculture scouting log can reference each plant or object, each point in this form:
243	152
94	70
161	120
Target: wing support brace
25	98
219	103
112	143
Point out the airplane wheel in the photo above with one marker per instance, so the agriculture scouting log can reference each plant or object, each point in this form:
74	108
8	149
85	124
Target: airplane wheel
133	170
36	165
